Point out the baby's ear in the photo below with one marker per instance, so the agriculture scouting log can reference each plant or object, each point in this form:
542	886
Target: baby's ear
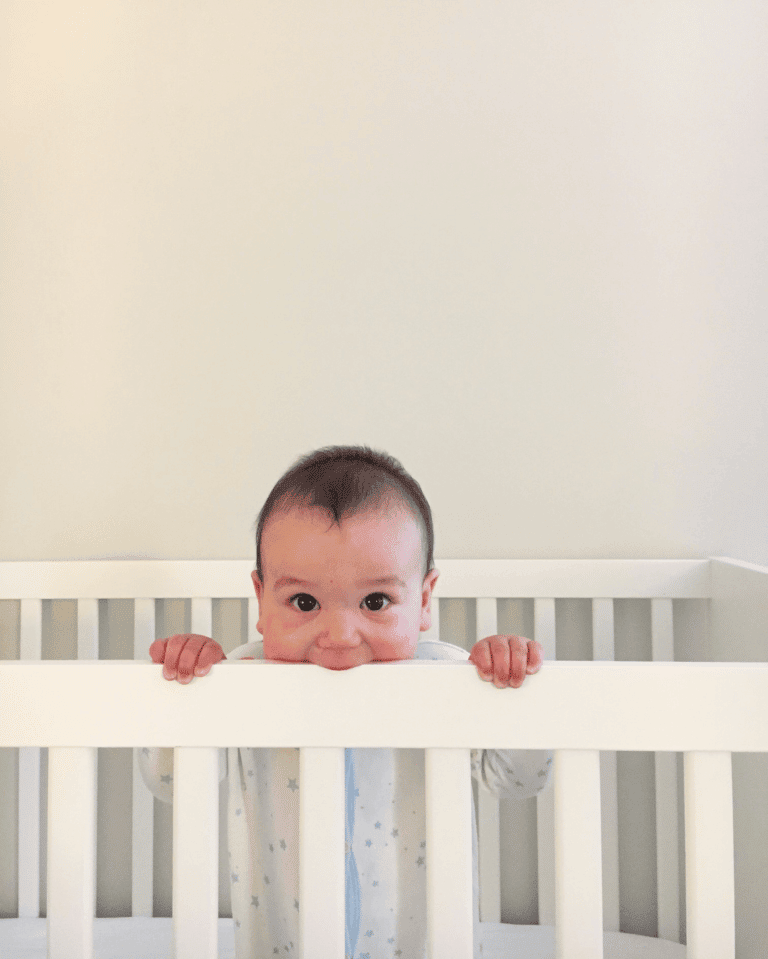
257	583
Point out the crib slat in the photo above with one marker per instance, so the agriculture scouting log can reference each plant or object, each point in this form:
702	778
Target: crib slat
195	852
143	810
87	629
489	856
709	861
448	806
603	650
253	618
201	619
579	911
544	633
71	851
30	647
321	856
488	844
88	648
667	857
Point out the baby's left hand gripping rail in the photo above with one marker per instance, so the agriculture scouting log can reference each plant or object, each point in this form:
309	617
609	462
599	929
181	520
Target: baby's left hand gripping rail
706	710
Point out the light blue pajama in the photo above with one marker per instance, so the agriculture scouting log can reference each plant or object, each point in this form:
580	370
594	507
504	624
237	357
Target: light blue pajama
385	832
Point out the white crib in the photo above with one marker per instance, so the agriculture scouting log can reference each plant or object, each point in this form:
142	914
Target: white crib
585	711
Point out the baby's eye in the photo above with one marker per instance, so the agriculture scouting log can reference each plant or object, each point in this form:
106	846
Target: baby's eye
303	598
376	598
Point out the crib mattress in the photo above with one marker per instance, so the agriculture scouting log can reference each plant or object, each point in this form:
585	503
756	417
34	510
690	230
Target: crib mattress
143	938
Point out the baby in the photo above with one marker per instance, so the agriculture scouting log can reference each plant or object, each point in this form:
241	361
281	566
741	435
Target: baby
344	576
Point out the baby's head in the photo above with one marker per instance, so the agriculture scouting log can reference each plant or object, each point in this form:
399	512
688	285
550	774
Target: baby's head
344	561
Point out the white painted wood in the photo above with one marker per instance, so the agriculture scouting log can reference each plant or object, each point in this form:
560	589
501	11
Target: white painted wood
29	832
71	852
448	803
603	642
140	938
604	650
88	649
606	705
87	628
667	857
489	856
31	629
174	579
253	618
709	861
610	839
544	626
143	807
662	634
201	618
486	618
321	853
488	830
544	633
578	858
738	610
30	648
195	902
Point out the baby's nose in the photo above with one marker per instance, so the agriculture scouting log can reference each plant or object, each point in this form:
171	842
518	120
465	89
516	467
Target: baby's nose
341	633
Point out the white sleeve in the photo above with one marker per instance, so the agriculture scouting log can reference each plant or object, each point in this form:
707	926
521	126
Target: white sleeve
156	765
512	773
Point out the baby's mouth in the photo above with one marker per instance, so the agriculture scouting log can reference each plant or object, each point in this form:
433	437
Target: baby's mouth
340	659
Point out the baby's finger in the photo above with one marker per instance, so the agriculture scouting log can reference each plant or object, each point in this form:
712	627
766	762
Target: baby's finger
518	659
188	657
210	654
481	657
173	648
501	660
535	656
157	651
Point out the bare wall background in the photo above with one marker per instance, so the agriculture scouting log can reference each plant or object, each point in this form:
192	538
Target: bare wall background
522	247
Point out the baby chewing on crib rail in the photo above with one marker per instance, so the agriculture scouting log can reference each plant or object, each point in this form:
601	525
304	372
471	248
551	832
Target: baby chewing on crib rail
344	577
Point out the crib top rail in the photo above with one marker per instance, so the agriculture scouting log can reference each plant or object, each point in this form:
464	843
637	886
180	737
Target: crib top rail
223	579
645	706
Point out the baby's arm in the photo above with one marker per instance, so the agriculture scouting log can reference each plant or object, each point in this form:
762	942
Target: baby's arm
512	773
505	661
181	656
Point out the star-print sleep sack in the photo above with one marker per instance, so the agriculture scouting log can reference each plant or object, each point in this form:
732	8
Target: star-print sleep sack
386	854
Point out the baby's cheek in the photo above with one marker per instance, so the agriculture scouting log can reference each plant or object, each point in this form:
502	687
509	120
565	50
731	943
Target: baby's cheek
391	648
275	648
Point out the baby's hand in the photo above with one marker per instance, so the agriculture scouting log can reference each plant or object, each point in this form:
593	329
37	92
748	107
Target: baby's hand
184	654
506	660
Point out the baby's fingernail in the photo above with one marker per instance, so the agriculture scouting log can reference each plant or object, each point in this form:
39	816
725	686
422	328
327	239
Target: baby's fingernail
200	671
169	673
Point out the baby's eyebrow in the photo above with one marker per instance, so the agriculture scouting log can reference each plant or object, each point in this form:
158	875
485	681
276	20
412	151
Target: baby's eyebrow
379	581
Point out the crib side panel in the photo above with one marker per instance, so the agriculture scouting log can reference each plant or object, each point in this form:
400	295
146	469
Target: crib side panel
739	630
30	647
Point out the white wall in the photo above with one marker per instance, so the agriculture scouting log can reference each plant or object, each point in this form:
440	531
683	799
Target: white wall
520	246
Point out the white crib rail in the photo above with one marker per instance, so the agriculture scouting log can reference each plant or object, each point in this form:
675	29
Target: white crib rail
576	708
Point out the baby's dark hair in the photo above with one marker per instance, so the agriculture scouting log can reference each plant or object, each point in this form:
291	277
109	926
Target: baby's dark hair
345	480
